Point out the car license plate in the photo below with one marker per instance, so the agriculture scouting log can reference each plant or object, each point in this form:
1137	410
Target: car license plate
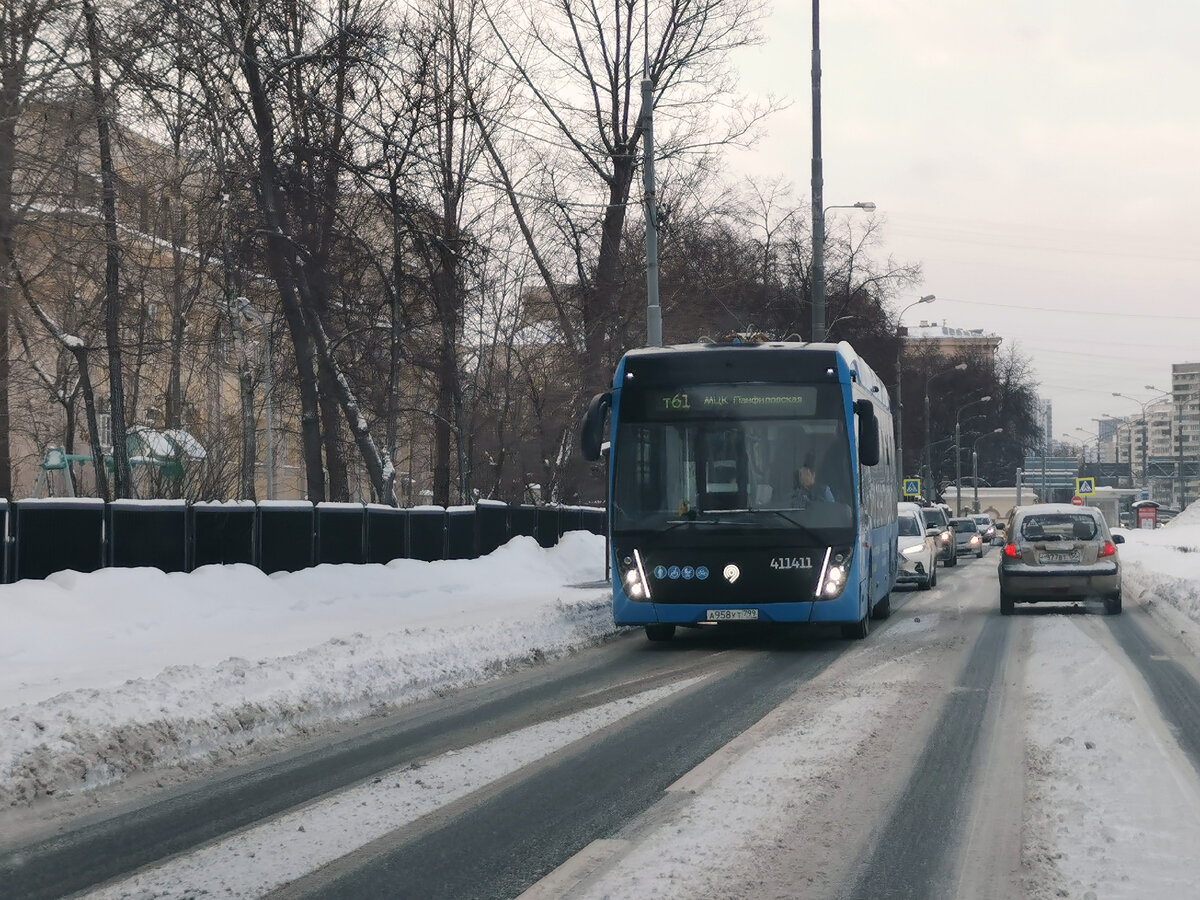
1073	556
731	615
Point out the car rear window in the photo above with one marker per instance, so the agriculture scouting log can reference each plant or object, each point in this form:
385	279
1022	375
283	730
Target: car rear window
934	518
1059	527
909	526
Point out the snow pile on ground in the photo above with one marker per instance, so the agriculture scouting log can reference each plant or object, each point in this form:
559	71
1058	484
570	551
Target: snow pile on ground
123	670
1161	571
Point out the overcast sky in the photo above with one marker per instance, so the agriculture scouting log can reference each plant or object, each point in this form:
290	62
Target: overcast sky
1041	161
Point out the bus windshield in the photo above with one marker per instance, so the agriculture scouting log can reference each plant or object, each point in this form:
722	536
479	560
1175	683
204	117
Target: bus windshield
734	456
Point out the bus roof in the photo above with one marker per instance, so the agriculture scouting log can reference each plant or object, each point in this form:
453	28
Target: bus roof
781	361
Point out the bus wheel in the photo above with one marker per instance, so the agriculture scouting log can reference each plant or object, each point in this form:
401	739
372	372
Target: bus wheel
660	632
858	630
883	608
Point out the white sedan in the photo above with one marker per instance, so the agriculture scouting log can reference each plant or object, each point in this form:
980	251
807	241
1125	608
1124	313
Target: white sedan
917	553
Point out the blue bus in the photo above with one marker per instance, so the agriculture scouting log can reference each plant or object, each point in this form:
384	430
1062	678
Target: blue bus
748	482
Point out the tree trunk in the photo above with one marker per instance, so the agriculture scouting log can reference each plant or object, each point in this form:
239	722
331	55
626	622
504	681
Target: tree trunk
279	260
122	476
249	457
89	405
9	110
391	427
600	302
335	459
381	475
14	56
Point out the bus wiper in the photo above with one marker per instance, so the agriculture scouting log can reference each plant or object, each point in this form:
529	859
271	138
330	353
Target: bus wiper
671	526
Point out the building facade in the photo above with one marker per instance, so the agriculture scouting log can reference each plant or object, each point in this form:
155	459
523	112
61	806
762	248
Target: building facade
951	342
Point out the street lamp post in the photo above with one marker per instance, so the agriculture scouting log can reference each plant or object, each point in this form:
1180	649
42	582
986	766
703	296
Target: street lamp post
961	367
1145	441
958	451
1096	435
975	466
1179	461
820	331
1120	422
928	298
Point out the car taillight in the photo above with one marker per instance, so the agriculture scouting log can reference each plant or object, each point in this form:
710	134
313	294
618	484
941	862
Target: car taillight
1109	549
1010	550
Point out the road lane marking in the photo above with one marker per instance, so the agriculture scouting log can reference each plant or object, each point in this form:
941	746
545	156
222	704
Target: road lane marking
259	859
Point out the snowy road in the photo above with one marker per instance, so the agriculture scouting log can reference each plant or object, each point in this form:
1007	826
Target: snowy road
954	753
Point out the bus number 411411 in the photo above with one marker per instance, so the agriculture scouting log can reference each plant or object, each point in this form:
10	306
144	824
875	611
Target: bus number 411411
791	562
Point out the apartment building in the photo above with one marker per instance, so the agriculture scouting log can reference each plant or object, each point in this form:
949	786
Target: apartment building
1185	396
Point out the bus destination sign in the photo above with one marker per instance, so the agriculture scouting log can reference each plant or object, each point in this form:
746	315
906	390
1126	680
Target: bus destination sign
703	400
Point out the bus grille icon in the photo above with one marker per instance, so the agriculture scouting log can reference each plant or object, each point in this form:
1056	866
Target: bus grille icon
732	573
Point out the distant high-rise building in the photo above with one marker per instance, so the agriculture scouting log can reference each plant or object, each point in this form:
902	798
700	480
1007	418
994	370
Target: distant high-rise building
1185	403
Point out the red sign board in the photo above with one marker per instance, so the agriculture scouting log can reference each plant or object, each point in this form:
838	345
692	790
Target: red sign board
1078	501
1147	516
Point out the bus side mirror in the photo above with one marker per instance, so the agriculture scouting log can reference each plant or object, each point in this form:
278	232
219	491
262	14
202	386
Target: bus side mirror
591	437
868	433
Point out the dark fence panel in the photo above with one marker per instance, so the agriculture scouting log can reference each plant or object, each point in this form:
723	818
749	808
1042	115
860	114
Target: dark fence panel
341	534
570	518
53	535
460	533
10	543
285	536
547	525
148	533
49	535
523	520
427	533
223	533
595	520
491	526
387	533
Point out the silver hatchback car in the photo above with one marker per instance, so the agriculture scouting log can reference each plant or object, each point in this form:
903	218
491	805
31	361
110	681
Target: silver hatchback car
1055	552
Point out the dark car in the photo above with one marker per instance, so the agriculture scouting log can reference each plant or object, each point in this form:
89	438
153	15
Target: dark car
987	528
1056	552
967	539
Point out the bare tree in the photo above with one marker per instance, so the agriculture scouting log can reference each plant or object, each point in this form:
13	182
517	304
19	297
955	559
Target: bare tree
581	64
26	69
122	477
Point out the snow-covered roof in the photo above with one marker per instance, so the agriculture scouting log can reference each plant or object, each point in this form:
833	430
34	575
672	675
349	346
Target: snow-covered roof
934	331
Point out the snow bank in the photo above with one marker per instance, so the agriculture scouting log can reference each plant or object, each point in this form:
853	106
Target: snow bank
123	670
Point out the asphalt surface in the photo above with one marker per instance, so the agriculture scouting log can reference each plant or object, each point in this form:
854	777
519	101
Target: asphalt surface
919	828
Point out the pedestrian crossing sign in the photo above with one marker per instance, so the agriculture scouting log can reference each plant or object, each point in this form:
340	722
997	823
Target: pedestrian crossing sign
1085	487
912	487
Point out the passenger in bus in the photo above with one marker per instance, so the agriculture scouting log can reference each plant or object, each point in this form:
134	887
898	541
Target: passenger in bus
808	489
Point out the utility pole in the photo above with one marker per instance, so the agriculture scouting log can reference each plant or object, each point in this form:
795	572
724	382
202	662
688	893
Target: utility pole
818	183
653	310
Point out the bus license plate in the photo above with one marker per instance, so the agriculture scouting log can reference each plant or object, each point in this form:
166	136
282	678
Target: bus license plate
730	615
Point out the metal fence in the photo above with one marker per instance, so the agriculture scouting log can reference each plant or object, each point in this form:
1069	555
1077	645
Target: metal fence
50	535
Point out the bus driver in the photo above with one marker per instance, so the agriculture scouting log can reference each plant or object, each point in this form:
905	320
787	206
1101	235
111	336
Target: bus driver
807	490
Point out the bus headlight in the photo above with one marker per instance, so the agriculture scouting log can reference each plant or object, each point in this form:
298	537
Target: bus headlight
835	572
633	577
